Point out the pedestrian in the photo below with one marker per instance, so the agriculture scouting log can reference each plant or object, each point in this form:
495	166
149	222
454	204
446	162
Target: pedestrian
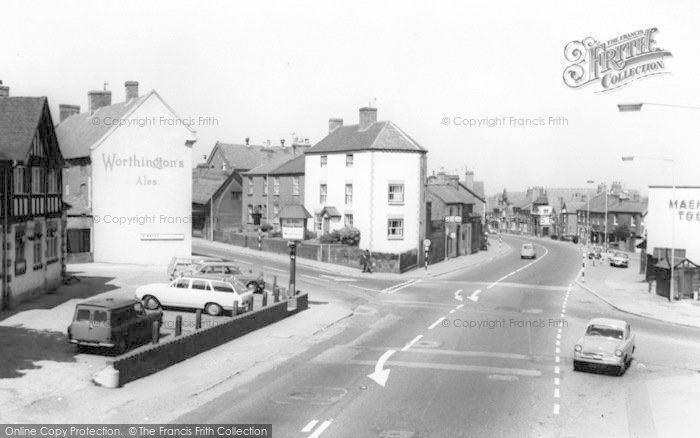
366	261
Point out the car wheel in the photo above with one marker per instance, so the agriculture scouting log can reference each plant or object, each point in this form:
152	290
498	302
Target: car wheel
620	369
150	303
213	309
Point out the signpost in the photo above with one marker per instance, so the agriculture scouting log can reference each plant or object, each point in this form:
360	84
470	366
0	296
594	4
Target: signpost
293	222
426	248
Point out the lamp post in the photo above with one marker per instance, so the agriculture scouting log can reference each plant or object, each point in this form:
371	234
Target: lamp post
673	214
588	214
635	107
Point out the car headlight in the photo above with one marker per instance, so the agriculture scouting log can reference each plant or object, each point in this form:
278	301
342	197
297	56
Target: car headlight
577	348
618	353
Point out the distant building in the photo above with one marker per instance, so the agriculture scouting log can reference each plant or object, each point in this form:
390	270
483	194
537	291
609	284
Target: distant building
216	201
372	176
270	187
622	213
125	161
228	157
33	229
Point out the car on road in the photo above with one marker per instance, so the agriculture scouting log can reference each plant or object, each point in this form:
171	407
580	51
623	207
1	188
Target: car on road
213	296
607	343
226	271
527	251
178	265
114	323
620	259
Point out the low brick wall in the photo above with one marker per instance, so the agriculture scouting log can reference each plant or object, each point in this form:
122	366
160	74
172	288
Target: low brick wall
160	356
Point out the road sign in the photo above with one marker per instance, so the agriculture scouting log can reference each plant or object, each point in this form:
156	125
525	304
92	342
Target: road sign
426	243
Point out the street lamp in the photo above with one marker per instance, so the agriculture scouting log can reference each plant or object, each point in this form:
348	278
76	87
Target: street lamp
588	213
673	216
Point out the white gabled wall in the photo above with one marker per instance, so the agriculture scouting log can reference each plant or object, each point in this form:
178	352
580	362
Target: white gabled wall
158	202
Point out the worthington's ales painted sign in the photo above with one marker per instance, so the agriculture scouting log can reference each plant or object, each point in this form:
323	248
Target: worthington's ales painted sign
616	62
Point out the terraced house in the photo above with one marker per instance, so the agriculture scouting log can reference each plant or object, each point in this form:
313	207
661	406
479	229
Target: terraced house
31	207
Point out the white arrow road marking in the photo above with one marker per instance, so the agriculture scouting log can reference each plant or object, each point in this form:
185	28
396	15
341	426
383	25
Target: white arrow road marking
475	296
320	429
380	375
340	279
457	296
432	326
310	426
413	341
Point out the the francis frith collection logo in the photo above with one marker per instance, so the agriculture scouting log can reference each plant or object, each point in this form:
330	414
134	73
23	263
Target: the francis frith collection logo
616	62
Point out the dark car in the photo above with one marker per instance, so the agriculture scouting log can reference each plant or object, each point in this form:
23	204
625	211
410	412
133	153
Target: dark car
113	323
226	271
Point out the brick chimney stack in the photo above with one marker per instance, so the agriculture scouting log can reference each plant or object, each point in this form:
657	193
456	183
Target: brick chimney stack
4	90
333	124
98	99
66	111
469	179
368	116
132	89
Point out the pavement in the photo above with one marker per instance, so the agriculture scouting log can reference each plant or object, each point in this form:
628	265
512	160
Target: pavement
46	381
625	290
494	252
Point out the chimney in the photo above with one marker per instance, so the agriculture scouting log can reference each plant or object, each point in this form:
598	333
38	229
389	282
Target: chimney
247	141
4	90
66	111
469	179
367	117
333	124
98	99
132	89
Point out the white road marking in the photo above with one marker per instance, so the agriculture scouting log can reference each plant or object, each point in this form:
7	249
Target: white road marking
411	342
546	251
555	409
556	359
432	326
320	429
525	372
339	279
475	296
559	336
397	287
557	381
558	343
556	370
557	350
452	311
310	426
556	393
457	296
559	330
562	314
380	375
459	307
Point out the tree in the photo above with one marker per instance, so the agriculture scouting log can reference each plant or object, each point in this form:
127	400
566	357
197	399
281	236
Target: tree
622	232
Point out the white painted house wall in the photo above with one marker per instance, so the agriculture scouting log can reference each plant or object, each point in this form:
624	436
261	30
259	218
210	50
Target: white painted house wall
143	214
371	173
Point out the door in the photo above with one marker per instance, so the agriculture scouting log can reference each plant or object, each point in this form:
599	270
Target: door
326	224
178	294
199	294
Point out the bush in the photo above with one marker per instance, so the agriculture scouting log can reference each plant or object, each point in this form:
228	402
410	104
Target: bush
349	235
266	227
332	237
311	234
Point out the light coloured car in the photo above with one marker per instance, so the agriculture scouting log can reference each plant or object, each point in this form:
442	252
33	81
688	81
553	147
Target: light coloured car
225	271
527	251
620	259
213	296
608	343
178	265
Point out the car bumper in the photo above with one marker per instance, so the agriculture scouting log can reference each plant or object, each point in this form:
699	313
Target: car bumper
92	343
599	360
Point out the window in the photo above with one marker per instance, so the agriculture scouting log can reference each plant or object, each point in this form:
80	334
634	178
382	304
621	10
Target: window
236	196
250	214
52	241
220	286
83	315
36	246
19	180
276	212
37	183
349	160
348	194
633	223
183	283
264	212
324	160
324	193
250	185
395	193
348	220
395	229
200	285
99	316
20	262
264	186
614	219
275	185
53	181
78	241
295	185
318	224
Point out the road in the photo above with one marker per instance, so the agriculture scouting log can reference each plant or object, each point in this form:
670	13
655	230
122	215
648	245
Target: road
484	351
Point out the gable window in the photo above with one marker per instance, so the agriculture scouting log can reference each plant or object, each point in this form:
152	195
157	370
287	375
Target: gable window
19	180
264	186
275	185
348	194
250	185
295	185
395	193
324	160
395	229
349	160
323	193
236	196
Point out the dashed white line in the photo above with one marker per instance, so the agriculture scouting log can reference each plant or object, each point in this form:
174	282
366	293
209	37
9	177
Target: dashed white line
320	429
413	341
556	393
432	326
310	426
555	409
557	350
556	370
459	307
558	343
559	336
452	311
556	359
557	381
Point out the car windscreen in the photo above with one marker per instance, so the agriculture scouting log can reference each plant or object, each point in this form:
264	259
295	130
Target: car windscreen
83	315
527	246
606	332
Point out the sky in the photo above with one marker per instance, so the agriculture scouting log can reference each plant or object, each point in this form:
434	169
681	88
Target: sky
265	70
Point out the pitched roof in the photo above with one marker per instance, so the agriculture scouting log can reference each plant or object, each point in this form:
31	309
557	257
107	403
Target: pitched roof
205	182
247	157
615	205
294	211
558	195
19	120
450	194
573	206
280	165
78	133
294	166
380	136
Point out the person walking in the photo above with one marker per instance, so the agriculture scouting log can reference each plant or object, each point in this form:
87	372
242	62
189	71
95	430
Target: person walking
366	262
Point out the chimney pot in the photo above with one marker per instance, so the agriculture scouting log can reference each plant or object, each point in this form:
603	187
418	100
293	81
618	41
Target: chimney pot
66	111
333	124
132	89
368	116
99	98
4	90
247	141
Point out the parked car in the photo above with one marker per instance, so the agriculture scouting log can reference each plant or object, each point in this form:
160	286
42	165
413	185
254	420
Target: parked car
620	259
213	296
527	251
226	271
112	323
607	343
177	265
